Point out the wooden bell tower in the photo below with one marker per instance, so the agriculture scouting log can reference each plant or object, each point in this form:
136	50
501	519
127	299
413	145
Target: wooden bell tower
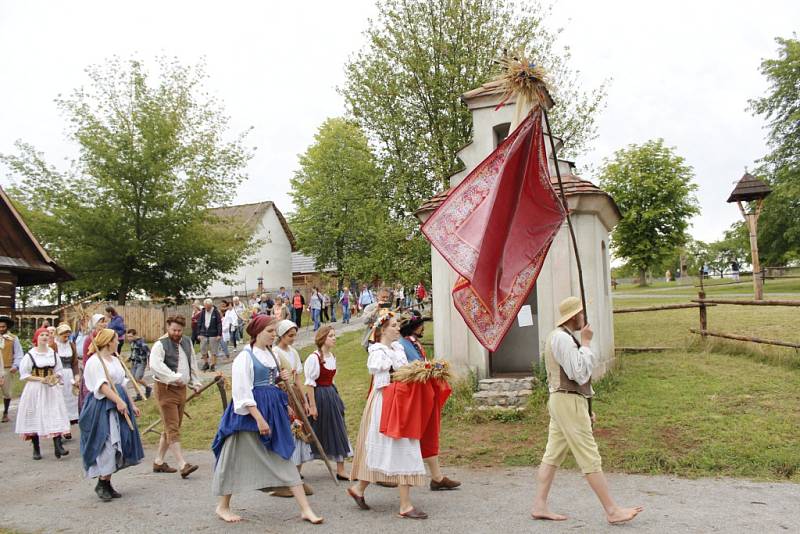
749	195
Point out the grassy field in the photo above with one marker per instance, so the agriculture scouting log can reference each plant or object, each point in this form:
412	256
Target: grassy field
713	409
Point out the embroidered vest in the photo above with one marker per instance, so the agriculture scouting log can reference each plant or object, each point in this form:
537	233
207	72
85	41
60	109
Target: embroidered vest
262	375
7	351
325	375
171	353
45	370
557	378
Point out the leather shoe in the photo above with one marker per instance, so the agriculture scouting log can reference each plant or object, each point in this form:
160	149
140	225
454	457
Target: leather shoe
282	492
188	469
359	500
444	484
163	468
387	484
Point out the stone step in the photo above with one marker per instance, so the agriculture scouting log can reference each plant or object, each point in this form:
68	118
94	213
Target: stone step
501	398
506	384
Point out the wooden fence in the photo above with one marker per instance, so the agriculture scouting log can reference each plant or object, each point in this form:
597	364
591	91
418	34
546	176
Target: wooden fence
702	304
148	320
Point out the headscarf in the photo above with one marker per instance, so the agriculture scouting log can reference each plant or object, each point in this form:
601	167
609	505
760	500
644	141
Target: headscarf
284	326
257	324
96	318
103	338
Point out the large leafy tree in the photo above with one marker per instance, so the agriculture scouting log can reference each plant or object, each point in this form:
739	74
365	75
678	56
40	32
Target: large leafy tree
130	215
403	88
653	188
779	226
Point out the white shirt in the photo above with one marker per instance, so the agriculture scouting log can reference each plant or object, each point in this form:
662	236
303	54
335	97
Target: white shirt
312	369
242	376
165	375
291	356
578	363
230	319
94	376
44	359
207	317
381	359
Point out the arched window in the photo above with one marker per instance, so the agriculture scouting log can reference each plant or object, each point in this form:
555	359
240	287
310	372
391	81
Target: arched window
501	131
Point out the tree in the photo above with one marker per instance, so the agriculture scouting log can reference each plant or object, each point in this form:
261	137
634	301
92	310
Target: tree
403	88
131	214
653	188
779	228
337	191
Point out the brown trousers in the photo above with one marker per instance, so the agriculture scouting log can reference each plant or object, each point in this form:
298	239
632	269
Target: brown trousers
171	401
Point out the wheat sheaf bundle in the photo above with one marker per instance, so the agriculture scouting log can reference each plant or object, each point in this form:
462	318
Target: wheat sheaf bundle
522	77
422	371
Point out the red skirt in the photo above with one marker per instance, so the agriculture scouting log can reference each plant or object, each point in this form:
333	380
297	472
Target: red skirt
414	411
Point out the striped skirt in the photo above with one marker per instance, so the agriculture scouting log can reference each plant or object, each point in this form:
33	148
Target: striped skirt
379	458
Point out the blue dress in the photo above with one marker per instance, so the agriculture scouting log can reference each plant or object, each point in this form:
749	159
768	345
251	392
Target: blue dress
272	402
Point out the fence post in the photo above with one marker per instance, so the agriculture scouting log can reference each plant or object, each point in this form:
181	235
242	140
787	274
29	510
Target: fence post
701	295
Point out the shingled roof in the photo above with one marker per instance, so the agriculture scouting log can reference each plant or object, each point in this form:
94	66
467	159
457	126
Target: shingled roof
249	215
749	188
573	185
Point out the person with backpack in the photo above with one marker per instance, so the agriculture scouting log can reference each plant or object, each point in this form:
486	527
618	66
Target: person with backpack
140	353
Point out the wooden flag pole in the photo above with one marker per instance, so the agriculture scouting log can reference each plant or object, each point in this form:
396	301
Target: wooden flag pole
569	220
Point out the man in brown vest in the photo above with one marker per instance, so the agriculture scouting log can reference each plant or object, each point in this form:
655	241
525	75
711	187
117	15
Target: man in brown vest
174	367
569	365
10	356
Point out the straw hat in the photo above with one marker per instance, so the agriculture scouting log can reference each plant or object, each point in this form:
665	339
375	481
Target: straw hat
63	328
569	308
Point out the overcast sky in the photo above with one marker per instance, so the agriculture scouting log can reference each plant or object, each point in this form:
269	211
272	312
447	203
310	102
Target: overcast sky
681	70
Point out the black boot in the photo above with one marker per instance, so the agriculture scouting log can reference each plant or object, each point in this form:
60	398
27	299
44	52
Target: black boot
102	490
6	406
37	454
59	448
114	493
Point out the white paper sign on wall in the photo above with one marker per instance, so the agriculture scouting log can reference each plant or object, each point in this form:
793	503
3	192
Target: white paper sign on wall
525	316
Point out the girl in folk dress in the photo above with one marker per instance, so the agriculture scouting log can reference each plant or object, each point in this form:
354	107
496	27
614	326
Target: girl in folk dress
325	406
70	375
96	324
254	443
109	436
290	360
41	412
379	458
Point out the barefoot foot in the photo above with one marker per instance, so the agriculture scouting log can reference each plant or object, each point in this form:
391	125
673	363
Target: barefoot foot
621	515
547	515
312	518
226	515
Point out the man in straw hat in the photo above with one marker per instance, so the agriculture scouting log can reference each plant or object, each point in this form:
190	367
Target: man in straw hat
569	365
10	354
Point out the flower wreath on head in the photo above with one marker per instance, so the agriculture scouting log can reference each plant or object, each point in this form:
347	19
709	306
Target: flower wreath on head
383	316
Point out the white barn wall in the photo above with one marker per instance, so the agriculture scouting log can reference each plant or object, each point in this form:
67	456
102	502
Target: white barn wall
276	248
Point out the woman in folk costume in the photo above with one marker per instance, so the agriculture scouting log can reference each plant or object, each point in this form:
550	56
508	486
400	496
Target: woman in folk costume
67	352
412	329
379	458
96	324
325	405
254	443
41	412
109	436
290	360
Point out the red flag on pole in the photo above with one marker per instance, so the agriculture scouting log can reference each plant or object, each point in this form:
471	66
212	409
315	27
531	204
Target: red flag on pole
495	229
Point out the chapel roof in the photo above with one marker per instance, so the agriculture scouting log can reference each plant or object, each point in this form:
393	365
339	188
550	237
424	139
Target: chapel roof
573	185
249	215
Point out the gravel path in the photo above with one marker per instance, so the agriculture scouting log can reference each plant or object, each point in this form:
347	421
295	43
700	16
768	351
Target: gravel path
50	495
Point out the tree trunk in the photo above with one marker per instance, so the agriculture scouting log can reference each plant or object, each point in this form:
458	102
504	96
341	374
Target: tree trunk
124	287
642	277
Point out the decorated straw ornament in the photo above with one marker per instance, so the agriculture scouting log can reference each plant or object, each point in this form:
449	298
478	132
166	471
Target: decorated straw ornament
523	78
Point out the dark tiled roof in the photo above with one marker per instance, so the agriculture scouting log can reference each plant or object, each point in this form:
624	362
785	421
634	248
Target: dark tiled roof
249	215
573	185
749	188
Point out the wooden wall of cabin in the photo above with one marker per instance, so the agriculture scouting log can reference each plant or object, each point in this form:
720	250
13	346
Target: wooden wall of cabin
8	291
